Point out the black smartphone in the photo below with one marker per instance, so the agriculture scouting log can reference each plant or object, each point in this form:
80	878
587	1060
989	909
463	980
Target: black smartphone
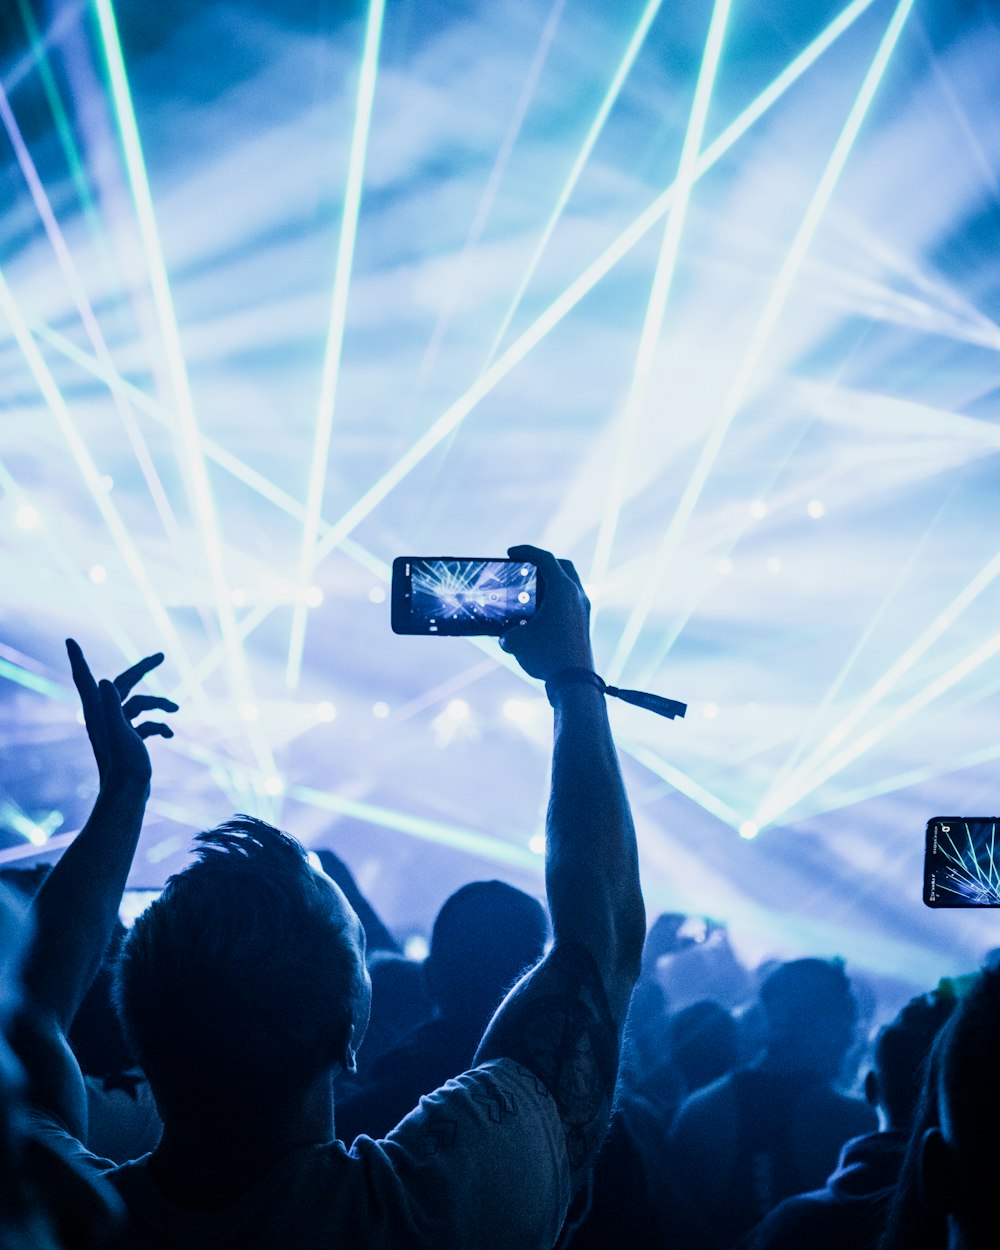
961	866
452	596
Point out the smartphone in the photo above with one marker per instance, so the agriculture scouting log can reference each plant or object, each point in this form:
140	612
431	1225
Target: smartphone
452	596
962	862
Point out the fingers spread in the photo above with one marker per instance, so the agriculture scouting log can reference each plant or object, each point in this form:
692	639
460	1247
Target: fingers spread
132	676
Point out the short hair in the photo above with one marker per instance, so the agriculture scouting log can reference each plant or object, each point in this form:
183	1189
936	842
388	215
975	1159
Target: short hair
902	1049
969	1083
485	935
237	986
810	1014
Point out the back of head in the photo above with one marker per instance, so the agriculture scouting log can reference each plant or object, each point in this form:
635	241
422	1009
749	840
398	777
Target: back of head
485	935
901	1053
810	1015
969	1108
703	1042
238	986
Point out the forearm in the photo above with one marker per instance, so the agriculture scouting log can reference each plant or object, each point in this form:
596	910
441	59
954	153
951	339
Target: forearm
592	867
75	911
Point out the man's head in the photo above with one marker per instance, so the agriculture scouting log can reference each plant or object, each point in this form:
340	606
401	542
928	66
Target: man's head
810	1015
485	935
245	980
901	1052
961	1154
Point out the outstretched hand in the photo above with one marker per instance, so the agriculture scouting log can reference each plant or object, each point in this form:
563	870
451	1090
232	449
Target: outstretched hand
118	744
558	635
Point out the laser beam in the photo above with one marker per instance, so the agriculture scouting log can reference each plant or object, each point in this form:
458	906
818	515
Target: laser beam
196	475
739	387
591	276
335	334
593	134
652	327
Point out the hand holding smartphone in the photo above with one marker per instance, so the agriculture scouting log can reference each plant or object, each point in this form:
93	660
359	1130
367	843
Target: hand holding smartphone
962	862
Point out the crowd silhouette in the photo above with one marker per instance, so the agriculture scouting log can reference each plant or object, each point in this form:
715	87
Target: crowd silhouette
256	1064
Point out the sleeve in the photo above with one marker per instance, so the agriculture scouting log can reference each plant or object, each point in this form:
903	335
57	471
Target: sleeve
481	1164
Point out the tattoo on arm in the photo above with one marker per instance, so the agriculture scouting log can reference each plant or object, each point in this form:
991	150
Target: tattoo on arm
557	1024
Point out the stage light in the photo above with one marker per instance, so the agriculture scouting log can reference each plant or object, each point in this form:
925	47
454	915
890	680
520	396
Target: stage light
458	710
377	594
107	483
326	711
536	844
27	517
774	565
710	711
380	710
335	335
238	597
274	786
98	574
416	947
249	712
758	509
663	278
748	830
726	566
518	711
816	509
312	596
773	307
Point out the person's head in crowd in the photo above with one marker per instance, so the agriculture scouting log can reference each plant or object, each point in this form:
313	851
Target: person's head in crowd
485	935
960	1151
809	1016
703	1044
901	1054
399	1002
243	987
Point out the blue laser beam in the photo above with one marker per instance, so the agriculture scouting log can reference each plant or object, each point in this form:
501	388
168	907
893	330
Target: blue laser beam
335	334
195	471
666	266
591	276
593	134
740	385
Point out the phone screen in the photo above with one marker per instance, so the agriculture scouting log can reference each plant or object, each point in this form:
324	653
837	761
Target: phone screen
447	595
961	867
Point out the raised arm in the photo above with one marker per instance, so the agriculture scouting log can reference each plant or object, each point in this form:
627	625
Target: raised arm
564	1019
75	910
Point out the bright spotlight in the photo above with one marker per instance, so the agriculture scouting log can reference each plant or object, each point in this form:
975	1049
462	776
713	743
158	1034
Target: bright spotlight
377	594
748	830
416	947
458	709
536	844
518	711
98	574
774	565
274	786
249	711
758	509
325	711
726	566
380	710
107	483
238	597
27	517
710	711
816	508
312	596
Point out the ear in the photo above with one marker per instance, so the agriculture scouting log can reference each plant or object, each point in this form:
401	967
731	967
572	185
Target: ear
871	1089
938	1173
347	1052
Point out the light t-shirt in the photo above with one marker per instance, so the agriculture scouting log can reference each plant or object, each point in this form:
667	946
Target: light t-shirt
480	1163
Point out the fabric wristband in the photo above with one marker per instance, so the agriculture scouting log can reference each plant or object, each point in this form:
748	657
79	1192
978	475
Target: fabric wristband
652	702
